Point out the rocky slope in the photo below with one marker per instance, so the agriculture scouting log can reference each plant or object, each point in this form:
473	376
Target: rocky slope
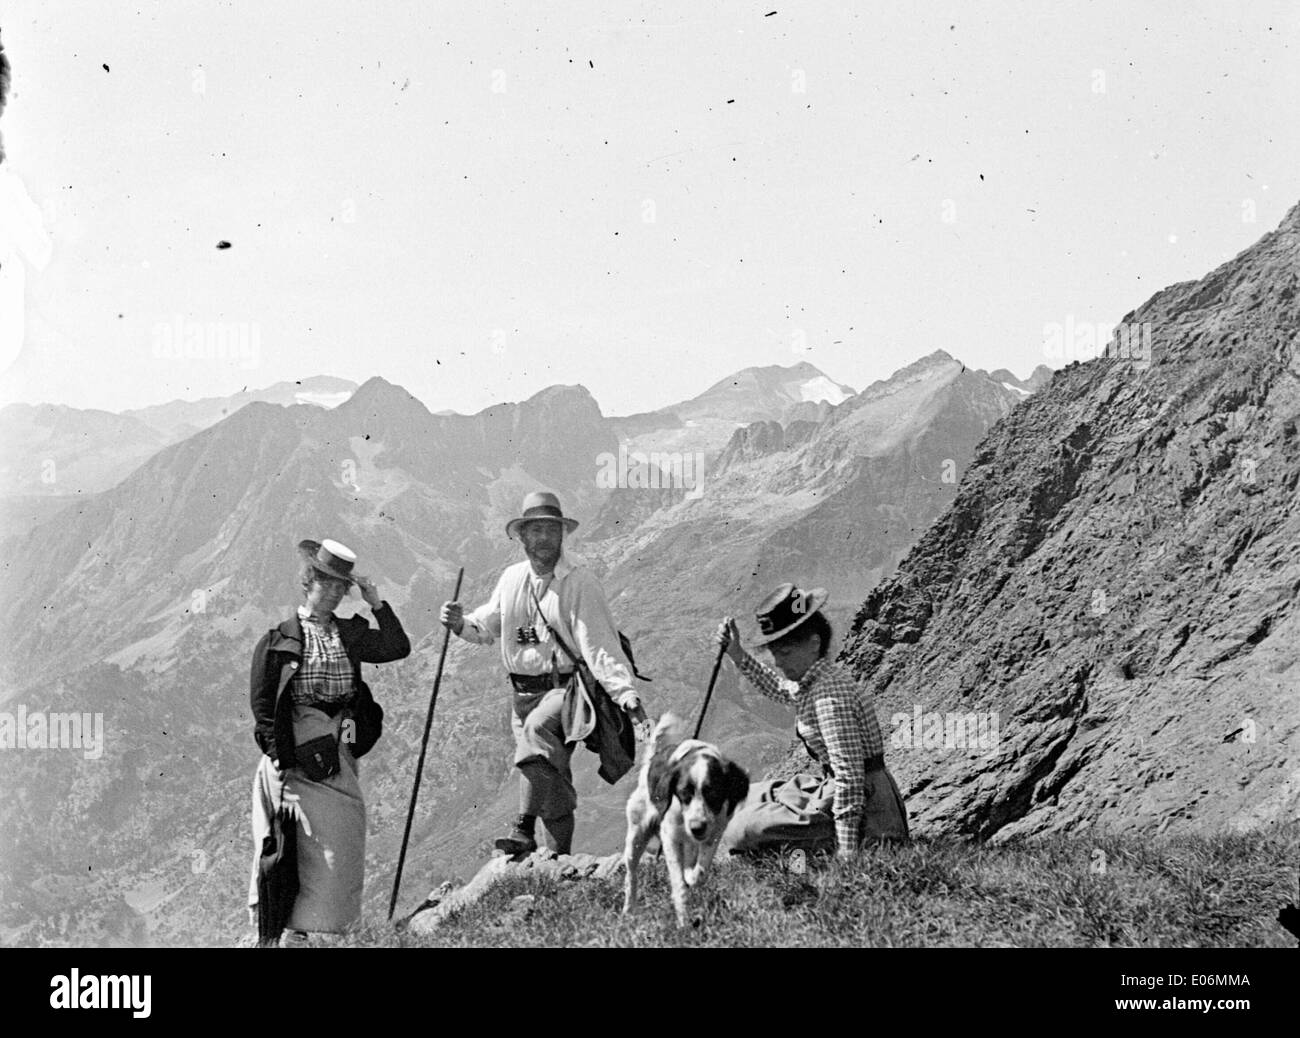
1116	584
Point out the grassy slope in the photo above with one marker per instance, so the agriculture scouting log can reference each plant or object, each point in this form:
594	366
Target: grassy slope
1189	891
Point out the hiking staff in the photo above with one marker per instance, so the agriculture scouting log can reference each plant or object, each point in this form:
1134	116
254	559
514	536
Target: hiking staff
717	663
424	745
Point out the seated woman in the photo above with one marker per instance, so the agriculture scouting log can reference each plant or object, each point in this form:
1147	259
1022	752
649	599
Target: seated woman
313	717
857	799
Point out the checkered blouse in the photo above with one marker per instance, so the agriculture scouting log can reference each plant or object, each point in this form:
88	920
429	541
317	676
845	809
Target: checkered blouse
837	721
325	675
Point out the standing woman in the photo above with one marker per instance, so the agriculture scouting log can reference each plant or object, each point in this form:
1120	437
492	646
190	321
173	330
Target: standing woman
857	799
313	717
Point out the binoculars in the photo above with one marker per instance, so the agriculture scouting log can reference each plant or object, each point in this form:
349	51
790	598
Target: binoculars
527	636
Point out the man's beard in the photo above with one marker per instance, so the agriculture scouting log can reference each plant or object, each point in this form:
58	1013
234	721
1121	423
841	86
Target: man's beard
545	556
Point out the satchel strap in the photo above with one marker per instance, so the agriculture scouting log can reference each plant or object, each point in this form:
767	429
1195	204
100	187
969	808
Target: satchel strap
577	661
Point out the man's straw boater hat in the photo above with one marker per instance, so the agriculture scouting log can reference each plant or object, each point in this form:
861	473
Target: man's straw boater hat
329	557
785	609
540	505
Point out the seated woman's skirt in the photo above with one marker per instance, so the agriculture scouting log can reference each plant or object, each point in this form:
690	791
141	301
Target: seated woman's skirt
798	813
332	856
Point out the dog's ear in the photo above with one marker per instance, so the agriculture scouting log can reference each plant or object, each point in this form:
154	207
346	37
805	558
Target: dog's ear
736	783
674	777
663	784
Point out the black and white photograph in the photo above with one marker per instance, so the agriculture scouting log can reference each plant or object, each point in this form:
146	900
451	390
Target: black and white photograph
638	476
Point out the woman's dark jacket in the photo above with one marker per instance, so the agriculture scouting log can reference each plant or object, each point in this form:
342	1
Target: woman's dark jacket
275	662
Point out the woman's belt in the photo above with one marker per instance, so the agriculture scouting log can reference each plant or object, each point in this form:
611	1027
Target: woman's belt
532	683
876	763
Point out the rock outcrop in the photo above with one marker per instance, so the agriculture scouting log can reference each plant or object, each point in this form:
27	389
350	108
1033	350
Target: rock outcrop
447	900
1113	591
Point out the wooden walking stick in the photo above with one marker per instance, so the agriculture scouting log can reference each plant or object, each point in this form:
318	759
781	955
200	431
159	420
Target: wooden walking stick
722	649
424	745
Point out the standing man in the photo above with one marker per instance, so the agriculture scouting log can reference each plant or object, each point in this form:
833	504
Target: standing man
544	721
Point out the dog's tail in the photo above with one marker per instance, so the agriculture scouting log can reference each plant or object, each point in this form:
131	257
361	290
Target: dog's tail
669	731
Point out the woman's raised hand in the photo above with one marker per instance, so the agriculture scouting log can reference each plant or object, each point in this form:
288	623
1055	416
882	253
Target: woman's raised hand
727	637
368	591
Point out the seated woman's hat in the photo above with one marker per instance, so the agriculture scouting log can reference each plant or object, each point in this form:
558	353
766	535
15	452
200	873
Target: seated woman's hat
540	505
785	609
330	557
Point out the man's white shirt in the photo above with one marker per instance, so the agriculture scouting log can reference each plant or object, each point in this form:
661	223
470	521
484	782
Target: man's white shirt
573	602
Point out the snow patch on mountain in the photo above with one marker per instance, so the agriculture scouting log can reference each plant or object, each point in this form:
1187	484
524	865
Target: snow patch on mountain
822	388
325	400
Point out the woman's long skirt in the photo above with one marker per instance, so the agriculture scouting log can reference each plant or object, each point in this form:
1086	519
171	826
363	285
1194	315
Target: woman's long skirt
798	813
331	830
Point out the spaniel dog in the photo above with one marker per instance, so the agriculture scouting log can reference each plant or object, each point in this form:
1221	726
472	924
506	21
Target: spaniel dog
686	794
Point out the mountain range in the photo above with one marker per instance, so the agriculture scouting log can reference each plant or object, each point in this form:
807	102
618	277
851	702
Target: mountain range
52	455
180	418
142	602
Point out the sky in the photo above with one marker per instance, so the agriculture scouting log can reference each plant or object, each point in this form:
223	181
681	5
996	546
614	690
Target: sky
478	200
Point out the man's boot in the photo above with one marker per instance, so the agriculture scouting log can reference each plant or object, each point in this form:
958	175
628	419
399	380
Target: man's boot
559	833
520	839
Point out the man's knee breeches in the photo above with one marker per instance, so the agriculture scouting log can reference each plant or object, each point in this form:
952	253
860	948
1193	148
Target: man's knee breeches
542	757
